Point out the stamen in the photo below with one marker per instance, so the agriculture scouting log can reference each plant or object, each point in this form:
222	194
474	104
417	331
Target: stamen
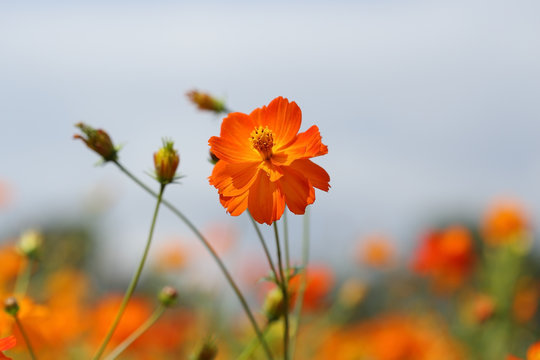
262	140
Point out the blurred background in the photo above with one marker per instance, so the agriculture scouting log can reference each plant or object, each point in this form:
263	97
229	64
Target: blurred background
426	106
429	108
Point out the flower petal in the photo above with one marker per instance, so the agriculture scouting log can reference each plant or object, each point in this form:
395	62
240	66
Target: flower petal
271	170
235	205
265	203
7	343
233	144
233	179
282	117
316	175
306	145
232	151
297	189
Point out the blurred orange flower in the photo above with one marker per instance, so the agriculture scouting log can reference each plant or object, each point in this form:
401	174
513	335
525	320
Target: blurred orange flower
446	256
505	222
391	337
171	256
376	251
319	283
167	334
264	162
12	262
525	304
534	352
137	312
35	319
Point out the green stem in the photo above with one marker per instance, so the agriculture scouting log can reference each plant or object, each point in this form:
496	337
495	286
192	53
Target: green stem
212	252
286	240
285	296
302	288
266	251
23	279
137	333
252	346
134	281
25	337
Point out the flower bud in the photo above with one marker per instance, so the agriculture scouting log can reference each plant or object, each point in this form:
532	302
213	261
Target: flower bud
30	244
166	161
274	306
11	306
168	296
97	140
205	101
206	351
213	158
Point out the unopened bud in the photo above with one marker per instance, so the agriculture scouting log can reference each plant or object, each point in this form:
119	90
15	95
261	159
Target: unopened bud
206	351
213	158
166	161
11	306
274	306
205	101
168	296
30	244
97	140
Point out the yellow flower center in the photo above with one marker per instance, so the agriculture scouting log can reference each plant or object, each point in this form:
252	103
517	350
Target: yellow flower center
262	140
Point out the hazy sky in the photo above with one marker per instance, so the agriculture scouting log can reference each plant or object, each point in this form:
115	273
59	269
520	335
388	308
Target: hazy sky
427	107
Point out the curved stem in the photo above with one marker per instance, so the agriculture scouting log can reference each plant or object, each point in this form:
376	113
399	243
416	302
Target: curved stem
266	251
134	281
25	337
283	285
212	252
302	288
286	241
137	333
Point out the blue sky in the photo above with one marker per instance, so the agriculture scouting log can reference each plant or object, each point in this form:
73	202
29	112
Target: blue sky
428	107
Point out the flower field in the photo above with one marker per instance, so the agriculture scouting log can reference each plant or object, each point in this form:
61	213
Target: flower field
464	289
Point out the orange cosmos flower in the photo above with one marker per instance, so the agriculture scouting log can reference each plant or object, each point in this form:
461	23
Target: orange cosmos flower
447	256
506	222
264	162
376	251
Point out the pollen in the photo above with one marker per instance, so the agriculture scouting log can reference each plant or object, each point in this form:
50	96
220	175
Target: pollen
262	140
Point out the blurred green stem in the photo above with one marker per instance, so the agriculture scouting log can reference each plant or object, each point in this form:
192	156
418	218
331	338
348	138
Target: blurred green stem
134	281
302	288
503	267
23	278
137	333
284	291
266	251
212	252
286	240
25	337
